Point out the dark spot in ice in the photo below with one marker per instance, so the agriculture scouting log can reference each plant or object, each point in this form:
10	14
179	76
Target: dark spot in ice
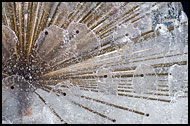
105	76
12	87
147	114
46	32
126	34
142	75
170	73
64	94
77	31
114	120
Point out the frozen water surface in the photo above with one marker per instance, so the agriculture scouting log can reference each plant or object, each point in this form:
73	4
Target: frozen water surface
94	62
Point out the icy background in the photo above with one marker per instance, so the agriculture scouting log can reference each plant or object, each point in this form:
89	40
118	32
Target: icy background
144	75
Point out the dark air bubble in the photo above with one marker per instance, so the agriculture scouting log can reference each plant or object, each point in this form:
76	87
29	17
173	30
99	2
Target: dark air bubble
105	76
12	87
64	94
46	32
77	31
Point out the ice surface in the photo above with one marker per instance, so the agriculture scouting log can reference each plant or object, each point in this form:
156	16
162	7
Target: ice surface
17	97
9	41
105	82
176	79
113	63
144	78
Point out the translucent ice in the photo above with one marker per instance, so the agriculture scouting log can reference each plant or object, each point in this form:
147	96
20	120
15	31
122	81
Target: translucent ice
105	81
176	78
144	78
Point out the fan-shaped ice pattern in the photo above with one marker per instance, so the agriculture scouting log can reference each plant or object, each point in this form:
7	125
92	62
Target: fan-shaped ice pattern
94	62
84	37
144	78
17	97
105	81
9	41
177	79
53	39
56	45
163	40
